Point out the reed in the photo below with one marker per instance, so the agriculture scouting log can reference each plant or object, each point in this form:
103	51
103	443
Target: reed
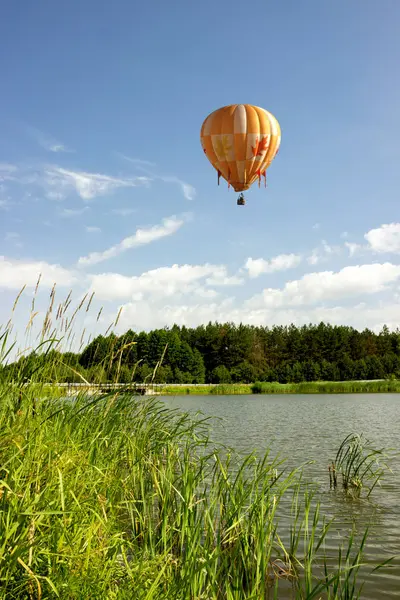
328	387
119	497
204	390
359	465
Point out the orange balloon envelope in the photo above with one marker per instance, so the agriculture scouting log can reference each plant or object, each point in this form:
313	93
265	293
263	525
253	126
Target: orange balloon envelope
241	141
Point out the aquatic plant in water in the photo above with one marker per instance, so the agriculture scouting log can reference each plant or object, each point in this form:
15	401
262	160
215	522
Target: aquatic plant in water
358	465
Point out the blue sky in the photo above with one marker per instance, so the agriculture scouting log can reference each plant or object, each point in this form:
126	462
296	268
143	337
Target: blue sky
104	186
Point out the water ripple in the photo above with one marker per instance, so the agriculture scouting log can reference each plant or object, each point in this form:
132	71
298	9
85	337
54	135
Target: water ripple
308	429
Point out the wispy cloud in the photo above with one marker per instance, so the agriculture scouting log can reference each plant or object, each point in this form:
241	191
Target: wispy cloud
188	190
93	229
145	235
73	212
322	253
136	161
7	172
124	212
352	247
87	185
46	141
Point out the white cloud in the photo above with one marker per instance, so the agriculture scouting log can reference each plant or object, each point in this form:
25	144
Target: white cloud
222	279
327	286
60	181
73	212
385	238
16	273
93	229
353	248
282	262
171	281
316	226
322	253
145	235
149	316
188	190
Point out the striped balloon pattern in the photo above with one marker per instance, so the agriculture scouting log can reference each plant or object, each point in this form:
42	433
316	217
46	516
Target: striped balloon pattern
241	141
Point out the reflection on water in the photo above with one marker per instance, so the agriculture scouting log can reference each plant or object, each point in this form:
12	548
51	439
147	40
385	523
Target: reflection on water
309	429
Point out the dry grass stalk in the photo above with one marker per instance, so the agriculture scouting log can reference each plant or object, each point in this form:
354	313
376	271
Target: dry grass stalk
90	302
118	316
17	298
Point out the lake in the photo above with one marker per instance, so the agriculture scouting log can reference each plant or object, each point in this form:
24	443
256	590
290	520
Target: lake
305	428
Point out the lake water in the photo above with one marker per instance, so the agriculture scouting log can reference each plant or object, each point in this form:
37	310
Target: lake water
305	428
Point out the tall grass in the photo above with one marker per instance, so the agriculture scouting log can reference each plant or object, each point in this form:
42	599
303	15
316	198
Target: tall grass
359	465
118	497
328	387
203	390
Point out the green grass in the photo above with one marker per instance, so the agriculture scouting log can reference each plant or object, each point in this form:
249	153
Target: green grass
313	387
214	390
328	387
117	497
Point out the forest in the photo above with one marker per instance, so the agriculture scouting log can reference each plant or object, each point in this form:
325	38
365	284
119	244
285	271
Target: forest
228	353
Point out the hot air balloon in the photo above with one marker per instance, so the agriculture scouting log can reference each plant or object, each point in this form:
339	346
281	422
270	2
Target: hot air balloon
241	141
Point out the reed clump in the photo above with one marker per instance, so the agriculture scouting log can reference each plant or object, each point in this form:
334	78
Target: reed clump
328	387
358	465
118	497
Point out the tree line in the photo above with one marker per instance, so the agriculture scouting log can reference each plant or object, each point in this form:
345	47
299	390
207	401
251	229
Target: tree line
229	353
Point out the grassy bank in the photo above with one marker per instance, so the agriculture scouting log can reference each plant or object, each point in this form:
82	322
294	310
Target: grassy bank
328	387
204	390
313	387
116	498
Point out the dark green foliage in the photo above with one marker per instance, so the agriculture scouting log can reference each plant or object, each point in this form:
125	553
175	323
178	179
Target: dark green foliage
229	353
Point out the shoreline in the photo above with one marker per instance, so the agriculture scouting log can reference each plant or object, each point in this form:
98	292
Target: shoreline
313	387
236	389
